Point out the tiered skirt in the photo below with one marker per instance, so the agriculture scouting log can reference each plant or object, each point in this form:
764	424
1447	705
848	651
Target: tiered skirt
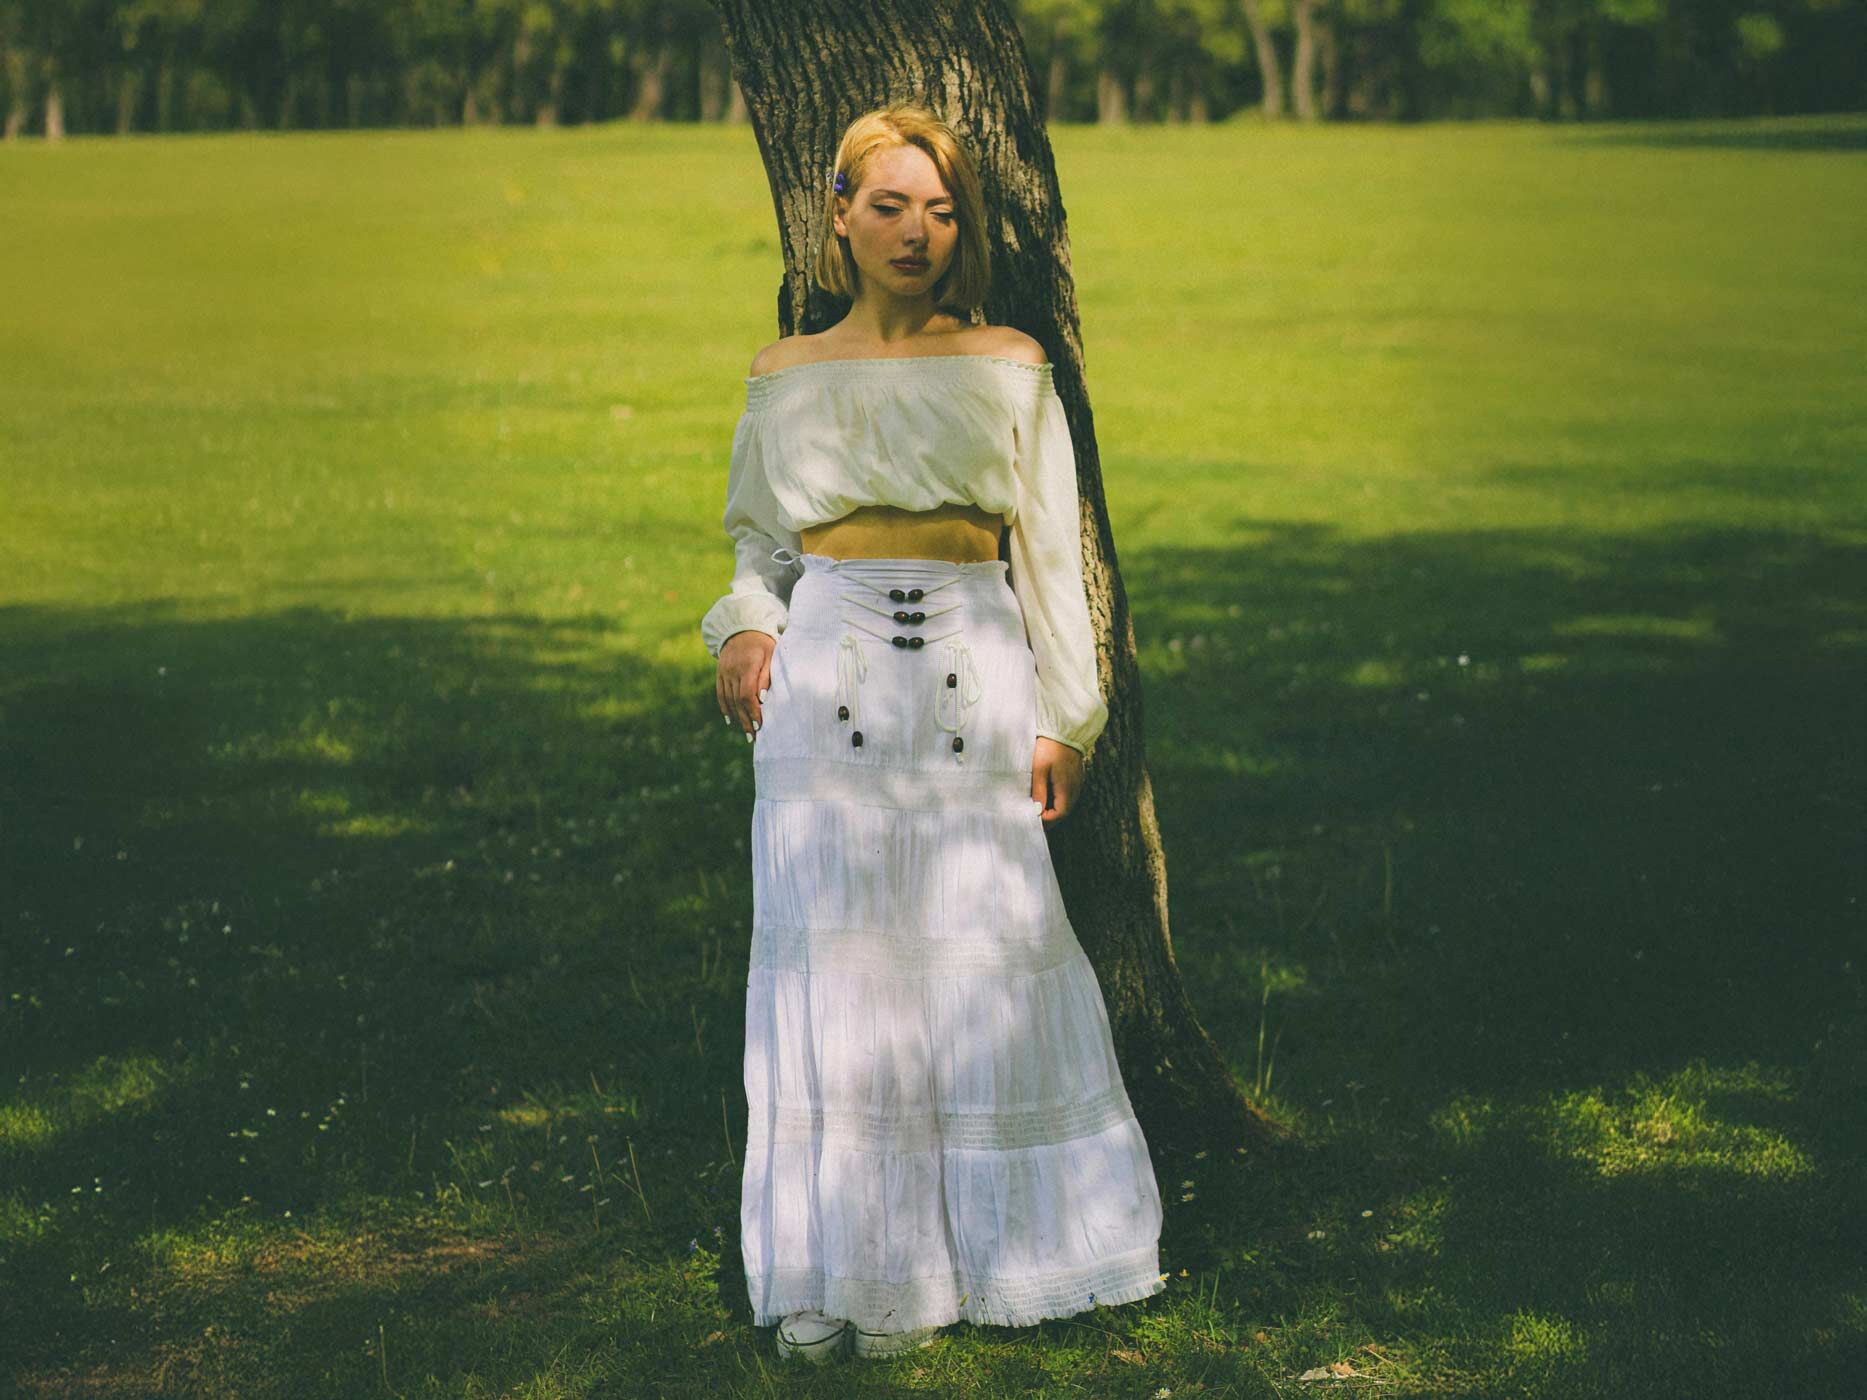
937	1128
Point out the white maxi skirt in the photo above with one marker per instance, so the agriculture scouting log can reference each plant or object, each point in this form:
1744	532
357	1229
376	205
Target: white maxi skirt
937	1128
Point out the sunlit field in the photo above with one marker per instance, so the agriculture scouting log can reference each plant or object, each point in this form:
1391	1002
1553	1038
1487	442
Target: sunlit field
374	888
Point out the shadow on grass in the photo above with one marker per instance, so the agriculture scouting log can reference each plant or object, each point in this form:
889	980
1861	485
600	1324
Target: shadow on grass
430	932
1843	132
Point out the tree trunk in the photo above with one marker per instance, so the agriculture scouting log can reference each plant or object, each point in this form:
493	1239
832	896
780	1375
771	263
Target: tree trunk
1329	45
1057	79
1565	79
54	111
651	85
1268	72
806	72
129	88
1539	83
1111	102
165	96
1364	93
1303	62
17	73
715	83
551	110
1143	108
1595	75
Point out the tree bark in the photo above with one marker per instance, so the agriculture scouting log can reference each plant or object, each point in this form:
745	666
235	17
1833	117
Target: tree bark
806	72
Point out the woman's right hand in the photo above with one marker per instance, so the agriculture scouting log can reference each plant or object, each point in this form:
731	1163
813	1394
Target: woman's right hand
744	675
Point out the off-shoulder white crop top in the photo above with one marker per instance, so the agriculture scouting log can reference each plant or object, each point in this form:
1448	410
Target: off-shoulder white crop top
819	439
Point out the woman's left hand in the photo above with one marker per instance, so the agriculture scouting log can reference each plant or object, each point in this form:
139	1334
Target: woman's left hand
1056	778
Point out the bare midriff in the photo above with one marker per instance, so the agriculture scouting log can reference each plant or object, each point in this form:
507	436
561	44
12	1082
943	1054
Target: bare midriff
963	534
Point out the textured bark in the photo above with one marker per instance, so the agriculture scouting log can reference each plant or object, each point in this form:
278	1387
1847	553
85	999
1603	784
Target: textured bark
806	70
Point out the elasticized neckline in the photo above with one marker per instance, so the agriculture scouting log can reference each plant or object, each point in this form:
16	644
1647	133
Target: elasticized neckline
891	367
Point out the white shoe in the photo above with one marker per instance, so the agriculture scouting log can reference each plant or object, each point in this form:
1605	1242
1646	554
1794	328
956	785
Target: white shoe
894	1343
810	1336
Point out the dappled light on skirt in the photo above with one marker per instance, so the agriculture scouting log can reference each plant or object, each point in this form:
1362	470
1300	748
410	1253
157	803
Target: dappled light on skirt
937	1127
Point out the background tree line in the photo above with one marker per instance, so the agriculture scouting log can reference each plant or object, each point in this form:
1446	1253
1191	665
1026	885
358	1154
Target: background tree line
201	65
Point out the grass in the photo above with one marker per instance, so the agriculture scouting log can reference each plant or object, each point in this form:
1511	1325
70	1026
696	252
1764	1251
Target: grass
373	890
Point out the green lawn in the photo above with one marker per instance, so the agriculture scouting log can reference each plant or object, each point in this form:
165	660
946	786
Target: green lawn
373	877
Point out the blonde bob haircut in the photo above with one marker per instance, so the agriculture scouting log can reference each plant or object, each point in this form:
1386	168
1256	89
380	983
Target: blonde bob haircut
969	276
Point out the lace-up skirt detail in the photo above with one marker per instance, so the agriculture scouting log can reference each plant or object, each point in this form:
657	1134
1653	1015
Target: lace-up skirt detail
937	1128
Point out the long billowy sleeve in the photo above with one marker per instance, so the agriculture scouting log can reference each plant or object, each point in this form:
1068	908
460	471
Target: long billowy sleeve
760	597
1047	574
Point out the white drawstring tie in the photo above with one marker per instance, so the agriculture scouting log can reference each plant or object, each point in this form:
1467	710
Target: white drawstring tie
851	669
965	689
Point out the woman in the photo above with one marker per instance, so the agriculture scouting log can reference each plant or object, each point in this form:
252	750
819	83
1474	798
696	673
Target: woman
937	1126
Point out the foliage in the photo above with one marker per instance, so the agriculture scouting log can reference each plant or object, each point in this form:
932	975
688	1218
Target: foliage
187	65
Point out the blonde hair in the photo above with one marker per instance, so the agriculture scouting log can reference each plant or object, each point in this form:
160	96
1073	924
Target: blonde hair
969	276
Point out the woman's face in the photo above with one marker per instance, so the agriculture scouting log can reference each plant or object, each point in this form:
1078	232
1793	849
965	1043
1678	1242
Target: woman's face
901	211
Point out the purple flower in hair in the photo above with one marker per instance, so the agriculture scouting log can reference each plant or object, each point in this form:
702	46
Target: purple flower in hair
838	183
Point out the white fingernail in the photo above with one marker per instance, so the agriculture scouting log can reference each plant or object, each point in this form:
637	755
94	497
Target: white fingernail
756	723
748	736
762	695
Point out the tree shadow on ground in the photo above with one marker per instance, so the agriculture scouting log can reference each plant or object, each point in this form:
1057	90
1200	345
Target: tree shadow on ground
1841	133
315	915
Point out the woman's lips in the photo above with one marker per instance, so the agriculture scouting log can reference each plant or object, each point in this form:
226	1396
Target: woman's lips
907	264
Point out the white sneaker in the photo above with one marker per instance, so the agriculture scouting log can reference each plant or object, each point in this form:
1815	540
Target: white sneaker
894	1343
810	1336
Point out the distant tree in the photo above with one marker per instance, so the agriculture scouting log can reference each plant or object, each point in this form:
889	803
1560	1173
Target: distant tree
17	63
58	41
1270	75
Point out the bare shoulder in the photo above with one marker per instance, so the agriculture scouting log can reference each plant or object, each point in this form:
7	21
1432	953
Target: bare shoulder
1012	344
782	354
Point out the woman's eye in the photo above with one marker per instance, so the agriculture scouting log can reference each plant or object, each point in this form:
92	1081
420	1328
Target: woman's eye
941	215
